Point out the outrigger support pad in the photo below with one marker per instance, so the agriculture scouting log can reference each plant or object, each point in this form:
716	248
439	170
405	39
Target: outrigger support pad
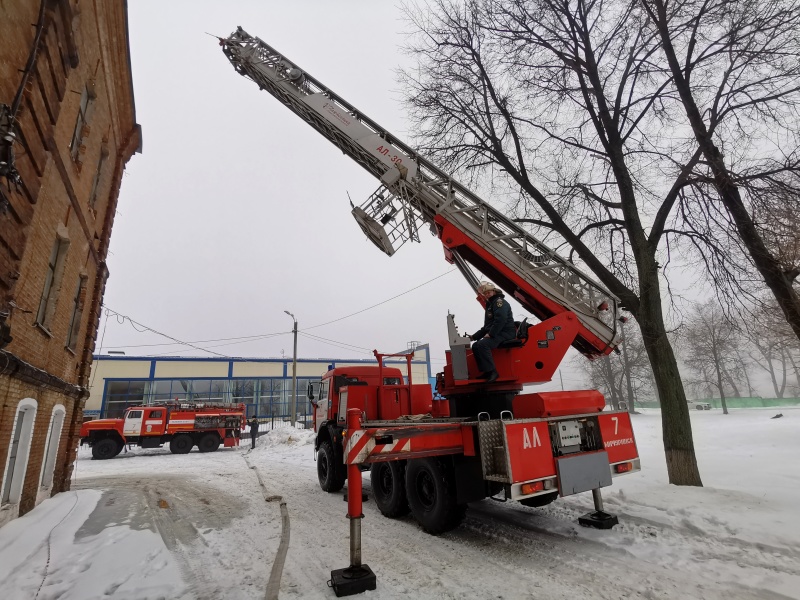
599	519
352	580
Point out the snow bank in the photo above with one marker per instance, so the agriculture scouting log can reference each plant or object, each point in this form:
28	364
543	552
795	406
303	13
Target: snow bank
49	553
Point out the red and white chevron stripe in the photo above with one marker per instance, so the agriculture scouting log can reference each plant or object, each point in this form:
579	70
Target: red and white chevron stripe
361	447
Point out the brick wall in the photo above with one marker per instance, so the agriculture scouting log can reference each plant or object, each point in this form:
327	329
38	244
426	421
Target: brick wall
81	74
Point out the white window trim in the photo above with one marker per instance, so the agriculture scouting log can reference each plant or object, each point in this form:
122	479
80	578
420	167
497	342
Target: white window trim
53	441
25	406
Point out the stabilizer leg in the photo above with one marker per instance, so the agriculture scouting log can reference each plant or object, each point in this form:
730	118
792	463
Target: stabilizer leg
356	578
599	519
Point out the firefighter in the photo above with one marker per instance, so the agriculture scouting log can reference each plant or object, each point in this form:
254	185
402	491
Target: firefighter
498	327
253	431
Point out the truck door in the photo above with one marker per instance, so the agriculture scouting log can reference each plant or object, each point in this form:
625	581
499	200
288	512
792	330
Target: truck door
154	421
321	412
133	423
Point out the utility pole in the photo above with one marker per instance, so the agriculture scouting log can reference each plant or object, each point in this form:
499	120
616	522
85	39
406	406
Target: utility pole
293	408
626	364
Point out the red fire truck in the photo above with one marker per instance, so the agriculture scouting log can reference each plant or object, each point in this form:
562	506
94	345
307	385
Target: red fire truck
181	424
432	457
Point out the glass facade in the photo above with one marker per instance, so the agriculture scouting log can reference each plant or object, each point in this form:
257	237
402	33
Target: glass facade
268	398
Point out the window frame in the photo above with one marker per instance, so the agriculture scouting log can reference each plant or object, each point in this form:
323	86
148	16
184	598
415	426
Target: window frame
52	283
77	314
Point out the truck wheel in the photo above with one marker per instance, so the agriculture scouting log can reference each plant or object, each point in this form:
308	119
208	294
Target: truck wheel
208	443
106	448
331	473
431	491
181	444
389	488
539	501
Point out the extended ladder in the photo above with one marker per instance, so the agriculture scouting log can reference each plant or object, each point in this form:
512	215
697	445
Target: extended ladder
414	192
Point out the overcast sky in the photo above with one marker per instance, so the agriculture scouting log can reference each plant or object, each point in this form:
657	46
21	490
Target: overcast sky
237	210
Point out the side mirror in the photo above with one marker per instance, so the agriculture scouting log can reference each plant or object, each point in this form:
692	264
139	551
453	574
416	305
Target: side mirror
310	391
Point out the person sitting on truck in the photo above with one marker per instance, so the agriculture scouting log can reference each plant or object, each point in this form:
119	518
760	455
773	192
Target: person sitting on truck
498	327
253	431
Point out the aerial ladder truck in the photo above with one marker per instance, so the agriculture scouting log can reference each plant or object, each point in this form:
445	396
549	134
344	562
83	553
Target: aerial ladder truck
432	457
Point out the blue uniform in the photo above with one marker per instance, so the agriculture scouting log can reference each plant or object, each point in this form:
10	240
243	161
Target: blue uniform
498	323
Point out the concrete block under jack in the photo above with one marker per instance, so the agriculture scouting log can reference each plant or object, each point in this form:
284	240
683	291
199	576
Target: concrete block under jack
598	520
352	580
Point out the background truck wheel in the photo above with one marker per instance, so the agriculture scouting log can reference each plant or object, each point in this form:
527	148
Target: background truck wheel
106	448
208	443
539	501
331	472
389	488
431	491
181	444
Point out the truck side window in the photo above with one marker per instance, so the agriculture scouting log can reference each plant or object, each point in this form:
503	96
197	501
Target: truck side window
135	414
155	414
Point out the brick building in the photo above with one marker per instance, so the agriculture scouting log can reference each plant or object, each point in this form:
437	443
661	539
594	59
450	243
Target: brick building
67	129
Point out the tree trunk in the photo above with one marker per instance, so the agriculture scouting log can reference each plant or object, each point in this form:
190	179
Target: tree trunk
720	386
675	423
771	368
732	383
746	376
608	371
796	368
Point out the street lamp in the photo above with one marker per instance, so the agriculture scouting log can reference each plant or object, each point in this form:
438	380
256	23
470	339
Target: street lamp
294	372
627	365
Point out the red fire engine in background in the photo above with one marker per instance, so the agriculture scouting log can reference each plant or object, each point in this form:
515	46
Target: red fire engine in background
433	456
181	424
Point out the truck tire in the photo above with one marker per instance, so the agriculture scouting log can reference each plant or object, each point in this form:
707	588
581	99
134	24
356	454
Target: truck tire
208	443
181	444
389	488
539	501
106	448
330	471
431	492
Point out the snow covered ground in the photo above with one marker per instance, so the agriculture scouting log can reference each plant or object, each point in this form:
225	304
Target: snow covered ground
149	524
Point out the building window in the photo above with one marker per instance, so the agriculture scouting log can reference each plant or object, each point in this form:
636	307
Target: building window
96	183
76	147
119	395
269	397
18	452
52	283
51	450
77	313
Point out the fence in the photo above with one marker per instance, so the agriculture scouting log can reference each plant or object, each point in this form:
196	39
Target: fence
735	402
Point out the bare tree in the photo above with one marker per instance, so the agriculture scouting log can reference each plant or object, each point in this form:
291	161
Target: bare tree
735	67
609	375
629	130
606	374
772	346
562	105
711	340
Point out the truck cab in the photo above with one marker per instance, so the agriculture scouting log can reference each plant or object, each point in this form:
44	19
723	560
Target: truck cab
144	421
381	393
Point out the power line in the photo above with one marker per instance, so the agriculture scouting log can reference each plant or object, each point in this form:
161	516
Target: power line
380	303
251	338
145	327
245	339
343	345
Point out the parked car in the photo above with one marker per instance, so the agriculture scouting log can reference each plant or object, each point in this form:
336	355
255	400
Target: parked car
699	405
